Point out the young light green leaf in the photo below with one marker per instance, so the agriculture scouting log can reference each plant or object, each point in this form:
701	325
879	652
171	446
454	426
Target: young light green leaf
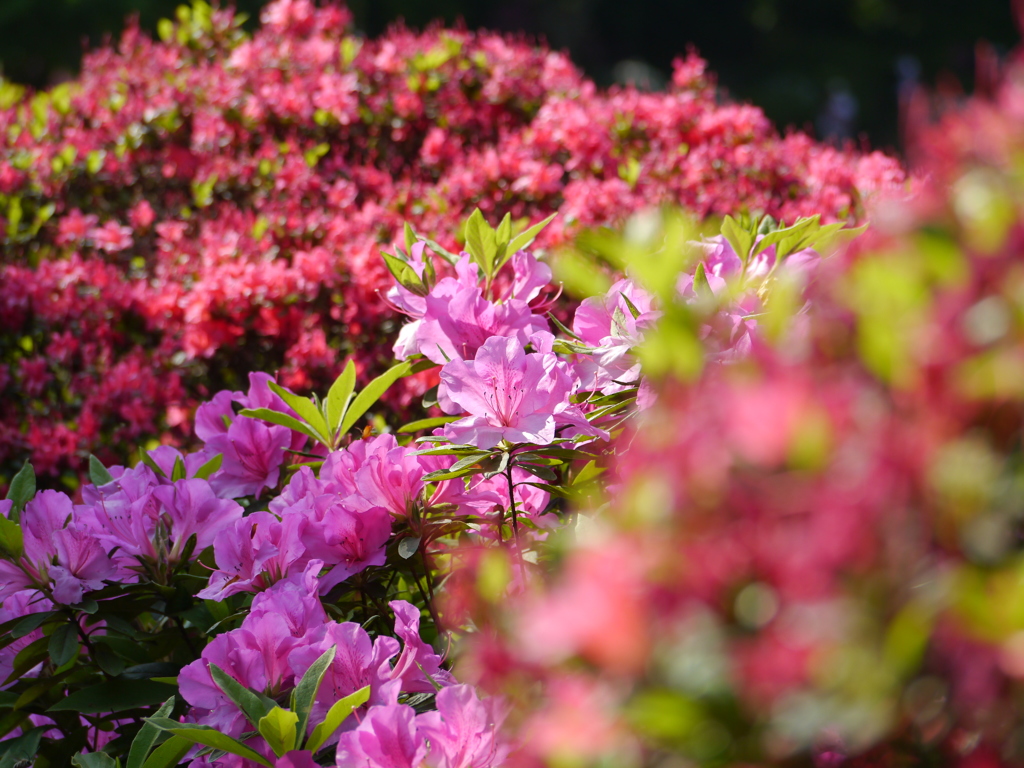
416	426
339	394
178	471
630	305
148	460
336	715
304	407
441	251
739	237
404	274
253	705
305	692
410	237
502	235
523	239
98	474
589	472
23	488
211	466
477	232
371	394
12	541
701	286
169	753
207	736
147	737
279	727
63	645
282	419
793	233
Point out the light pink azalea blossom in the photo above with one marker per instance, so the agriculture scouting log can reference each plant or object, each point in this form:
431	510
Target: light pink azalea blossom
509	395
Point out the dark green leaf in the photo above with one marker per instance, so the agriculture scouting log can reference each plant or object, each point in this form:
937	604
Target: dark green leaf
94	760
23	488
147	737
98	474
253	705
169	753
31	622
107	660
207	736
63	645
22	749
305	692
114	696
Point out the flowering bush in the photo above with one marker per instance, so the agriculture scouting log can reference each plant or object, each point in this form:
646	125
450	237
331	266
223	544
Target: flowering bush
230	608
198	207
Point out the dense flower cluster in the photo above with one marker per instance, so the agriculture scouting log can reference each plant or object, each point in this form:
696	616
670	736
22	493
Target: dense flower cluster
810	554
198	207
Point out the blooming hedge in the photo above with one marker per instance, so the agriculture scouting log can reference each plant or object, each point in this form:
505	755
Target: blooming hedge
197	207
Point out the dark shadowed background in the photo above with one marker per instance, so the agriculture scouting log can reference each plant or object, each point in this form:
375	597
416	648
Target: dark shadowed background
833	66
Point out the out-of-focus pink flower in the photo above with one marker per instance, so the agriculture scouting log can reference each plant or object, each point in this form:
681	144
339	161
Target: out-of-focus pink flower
111	237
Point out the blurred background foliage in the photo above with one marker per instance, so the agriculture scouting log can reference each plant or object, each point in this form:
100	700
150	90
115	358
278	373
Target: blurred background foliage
837	67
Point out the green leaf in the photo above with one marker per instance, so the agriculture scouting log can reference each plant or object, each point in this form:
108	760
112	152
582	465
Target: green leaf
107	660
407	547
524	239
372	393
22	750
630	305
701	286
589	472
32	622
94	760
147	737
114	696
169	753
178	471
410	237
336	715
98	474
281	419
739	237
464	466
441	251
502	235
253	705
405	275
151	463
63	645
12	541
305	693
279	727
304	407
207	736
204	472
23	488
481	242
416	426
338	396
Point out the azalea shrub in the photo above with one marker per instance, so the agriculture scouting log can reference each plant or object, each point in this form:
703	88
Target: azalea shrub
204	205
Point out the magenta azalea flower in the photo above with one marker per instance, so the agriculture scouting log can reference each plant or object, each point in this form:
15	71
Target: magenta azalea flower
463	732
386	738
509	395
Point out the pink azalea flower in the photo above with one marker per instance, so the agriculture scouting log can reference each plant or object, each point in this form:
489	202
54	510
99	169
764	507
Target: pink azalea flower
111	237
509	395
386	738
253	455
463	732
418	664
